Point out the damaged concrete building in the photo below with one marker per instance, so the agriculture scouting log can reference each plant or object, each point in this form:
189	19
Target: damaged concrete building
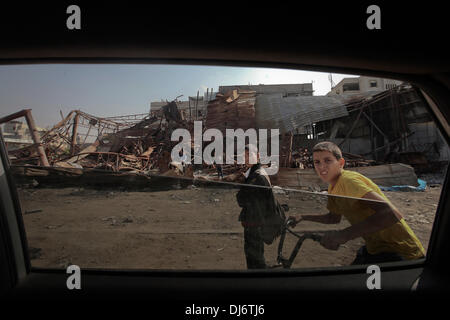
372	128
195	108
382	134
391	126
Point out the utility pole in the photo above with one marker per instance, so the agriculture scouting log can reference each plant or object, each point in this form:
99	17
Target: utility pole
330	78
196	105
190	114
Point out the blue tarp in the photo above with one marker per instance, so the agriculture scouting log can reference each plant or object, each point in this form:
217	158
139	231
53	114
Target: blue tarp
421	187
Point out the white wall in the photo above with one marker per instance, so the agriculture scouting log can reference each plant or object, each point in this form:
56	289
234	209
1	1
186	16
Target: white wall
364	85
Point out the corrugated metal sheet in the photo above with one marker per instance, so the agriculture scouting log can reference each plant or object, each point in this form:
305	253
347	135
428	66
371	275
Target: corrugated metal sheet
292	114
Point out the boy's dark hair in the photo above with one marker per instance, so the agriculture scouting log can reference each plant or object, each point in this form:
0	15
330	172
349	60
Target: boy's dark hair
330	147
252	147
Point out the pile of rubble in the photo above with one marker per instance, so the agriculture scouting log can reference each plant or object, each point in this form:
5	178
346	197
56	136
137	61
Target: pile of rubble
136	145
302	159
141	143
355	160
126	143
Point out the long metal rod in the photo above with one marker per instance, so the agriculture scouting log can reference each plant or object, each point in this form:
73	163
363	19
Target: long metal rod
353	127
13	116
73	141
196	105
386	139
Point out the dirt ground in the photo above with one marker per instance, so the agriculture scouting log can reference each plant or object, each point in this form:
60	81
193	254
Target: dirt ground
193	228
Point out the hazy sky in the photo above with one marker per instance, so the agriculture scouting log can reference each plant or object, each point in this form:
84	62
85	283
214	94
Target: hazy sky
110	90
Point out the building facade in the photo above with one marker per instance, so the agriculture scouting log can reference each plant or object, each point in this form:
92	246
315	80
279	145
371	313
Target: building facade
288	90
17	130
361	85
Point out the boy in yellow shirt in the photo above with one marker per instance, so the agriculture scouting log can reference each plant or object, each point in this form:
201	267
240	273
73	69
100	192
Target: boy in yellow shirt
375	219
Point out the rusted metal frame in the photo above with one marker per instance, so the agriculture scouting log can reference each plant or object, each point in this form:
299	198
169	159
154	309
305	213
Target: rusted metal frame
401	125
190	113
83	122
390	143
73	141
107	162
24	149
109	126
127	117
65	133
105	121
374	125
63	130
353	126
386	140
53	151
99	158
100	129
13	116
361	103
36	138
380	97
59	124
396	112
21	160
64	137
131	157
402	118
87	134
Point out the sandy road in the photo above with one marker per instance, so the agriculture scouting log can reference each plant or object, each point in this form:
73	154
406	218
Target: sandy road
194	228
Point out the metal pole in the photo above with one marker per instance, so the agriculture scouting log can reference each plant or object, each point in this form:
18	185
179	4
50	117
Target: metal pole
196	104
14	116
386	139
36	139
74	134
190	114
372	141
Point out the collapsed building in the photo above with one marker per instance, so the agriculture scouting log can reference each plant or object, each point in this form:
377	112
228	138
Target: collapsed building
376	127
372	129
387	127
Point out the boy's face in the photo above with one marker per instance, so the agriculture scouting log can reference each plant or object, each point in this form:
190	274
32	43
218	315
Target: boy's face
327	166
251	157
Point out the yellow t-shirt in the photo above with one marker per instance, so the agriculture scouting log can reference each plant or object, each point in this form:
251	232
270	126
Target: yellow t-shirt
398	238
